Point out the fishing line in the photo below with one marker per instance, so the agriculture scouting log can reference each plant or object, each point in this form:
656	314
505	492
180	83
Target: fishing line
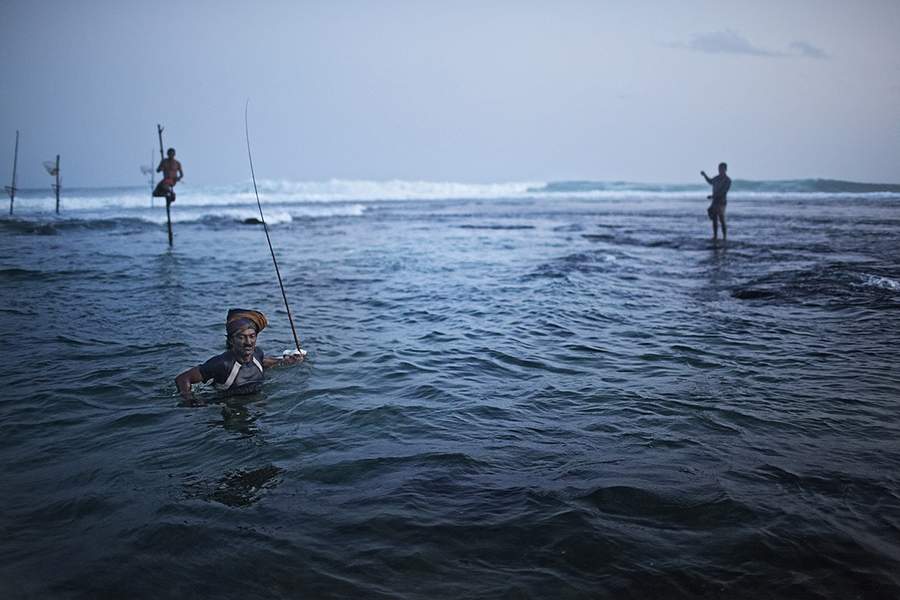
266	229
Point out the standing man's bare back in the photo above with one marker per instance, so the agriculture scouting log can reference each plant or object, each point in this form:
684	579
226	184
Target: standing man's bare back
721	184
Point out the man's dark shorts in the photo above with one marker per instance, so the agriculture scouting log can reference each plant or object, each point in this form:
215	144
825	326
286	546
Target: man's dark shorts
164	189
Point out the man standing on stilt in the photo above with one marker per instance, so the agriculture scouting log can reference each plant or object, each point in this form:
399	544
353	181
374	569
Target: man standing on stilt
172	174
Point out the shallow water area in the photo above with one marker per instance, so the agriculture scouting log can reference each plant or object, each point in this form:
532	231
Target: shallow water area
520	394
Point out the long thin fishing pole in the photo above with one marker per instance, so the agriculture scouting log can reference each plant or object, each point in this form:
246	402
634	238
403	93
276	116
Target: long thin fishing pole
266	229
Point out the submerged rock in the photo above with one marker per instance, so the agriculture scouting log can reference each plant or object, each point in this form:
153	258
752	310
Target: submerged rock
238	488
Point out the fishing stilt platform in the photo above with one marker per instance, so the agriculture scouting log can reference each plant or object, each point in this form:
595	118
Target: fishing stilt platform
11	189
162	157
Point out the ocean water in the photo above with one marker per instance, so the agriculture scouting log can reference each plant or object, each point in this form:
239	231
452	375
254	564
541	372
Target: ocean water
520	390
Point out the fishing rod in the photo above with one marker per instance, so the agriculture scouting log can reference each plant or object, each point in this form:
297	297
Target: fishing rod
266	229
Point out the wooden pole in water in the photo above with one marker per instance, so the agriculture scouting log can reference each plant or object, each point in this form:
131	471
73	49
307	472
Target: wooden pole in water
162	157
152	180
12	188
56	187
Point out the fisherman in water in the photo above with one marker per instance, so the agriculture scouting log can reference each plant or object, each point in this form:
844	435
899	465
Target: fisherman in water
240	369
172	174
721	183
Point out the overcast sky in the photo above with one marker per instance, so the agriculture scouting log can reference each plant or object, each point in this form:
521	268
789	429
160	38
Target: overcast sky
452	91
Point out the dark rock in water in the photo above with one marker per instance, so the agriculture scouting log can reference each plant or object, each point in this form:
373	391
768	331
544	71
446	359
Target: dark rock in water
751	294
496	227
238	488
252	221
47	229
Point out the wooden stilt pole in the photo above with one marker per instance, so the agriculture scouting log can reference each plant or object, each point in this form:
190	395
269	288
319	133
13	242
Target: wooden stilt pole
162	157
12	188
152	180
56	187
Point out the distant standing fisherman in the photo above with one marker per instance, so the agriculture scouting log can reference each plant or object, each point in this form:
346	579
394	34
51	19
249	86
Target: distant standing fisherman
721	183
172	174
239	370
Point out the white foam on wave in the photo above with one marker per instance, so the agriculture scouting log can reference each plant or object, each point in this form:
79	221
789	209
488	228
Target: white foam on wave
110	205
86	200
396	189
813	195
701	194
241	215
337	190
278	192
195	216
878	281
348	197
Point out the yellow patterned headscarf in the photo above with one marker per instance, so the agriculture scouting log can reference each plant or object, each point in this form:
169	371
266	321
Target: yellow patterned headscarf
239	318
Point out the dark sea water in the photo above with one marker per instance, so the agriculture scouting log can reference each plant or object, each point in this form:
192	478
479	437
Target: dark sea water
557	393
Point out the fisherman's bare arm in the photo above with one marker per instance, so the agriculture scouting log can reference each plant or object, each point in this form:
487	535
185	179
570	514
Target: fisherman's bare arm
184	381
708	180
291	359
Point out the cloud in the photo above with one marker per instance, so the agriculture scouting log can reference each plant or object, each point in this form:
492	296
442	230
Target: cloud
726	42
731	42
807	50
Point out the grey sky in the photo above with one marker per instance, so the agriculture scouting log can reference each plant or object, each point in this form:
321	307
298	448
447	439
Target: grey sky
453	91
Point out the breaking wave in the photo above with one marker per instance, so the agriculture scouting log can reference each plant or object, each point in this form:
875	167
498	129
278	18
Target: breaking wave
820	188
336	197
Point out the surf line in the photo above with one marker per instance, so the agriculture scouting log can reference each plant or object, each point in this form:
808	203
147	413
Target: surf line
268	238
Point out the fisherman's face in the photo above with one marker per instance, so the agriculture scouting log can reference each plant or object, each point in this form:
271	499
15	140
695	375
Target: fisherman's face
243	343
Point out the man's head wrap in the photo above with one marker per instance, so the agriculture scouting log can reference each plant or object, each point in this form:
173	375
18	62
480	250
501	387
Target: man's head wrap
241	318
